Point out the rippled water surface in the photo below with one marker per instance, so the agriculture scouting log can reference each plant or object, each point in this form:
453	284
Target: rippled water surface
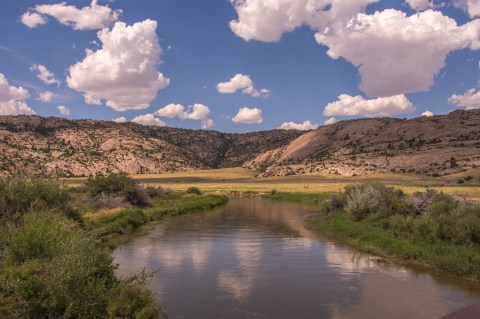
254	258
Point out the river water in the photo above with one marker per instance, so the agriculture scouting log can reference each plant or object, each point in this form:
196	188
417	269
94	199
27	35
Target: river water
254	258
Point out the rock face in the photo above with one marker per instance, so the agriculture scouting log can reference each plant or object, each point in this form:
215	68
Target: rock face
435	146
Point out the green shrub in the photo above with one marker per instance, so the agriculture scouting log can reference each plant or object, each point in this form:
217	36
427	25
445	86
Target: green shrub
364	199
111	188
21	195
157	191
193	190
50	269
132	299
114	183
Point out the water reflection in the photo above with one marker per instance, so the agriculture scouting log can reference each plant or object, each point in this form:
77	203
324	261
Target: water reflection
255	259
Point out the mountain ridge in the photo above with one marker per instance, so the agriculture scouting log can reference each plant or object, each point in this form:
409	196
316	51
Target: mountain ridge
437	145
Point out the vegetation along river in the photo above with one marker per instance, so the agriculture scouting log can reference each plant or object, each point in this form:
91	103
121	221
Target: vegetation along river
254	258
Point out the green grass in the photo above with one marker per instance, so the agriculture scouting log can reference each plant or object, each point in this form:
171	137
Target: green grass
297	197
443	257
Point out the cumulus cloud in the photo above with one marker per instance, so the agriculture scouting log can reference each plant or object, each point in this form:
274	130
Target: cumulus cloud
420	4
427	114
12	99
396	53
470	6
91	17
46	96
247	115
124	70
267	20
171	110
469	100
44	74
347	105
197	112
330	121
63	110
241	82
208	123
32	19
148	119
121	119
305	126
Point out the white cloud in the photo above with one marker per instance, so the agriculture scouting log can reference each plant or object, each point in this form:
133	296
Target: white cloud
32	19
45	75
171	110
248	116
396	54
420	4
267	20
63	110
124	71
46	96
12	99
148	119
469	100
427	114
306	125
357	105
197	112
330	121
207	123
470	6
121	119
241	82
87	18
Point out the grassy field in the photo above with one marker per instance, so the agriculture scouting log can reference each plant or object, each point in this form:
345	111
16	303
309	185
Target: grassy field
243	180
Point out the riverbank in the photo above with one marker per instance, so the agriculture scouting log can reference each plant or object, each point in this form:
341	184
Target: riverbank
52	238
434	243
109	225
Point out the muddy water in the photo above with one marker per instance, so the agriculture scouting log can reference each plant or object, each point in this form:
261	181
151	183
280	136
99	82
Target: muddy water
254	258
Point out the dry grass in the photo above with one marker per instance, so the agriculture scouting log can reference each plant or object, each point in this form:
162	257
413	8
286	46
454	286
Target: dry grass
243	180
103	212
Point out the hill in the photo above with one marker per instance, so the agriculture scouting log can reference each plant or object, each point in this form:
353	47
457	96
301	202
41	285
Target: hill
436	146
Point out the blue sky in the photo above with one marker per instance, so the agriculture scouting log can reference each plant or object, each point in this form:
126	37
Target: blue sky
326	63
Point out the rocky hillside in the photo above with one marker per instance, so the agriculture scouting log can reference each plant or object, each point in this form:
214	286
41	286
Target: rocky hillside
435	146
32	144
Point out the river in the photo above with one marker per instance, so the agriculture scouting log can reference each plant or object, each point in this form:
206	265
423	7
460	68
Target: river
254	258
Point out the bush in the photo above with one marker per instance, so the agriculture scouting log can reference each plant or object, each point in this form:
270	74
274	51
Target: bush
132	299
114	183
364	199
139	197
361	201
20	196
193	190
116	188
337	201
50	269
157	191
108	201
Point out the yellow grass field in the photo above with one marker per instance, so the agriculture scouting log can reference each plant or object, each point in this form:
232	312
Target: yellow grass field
243	180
